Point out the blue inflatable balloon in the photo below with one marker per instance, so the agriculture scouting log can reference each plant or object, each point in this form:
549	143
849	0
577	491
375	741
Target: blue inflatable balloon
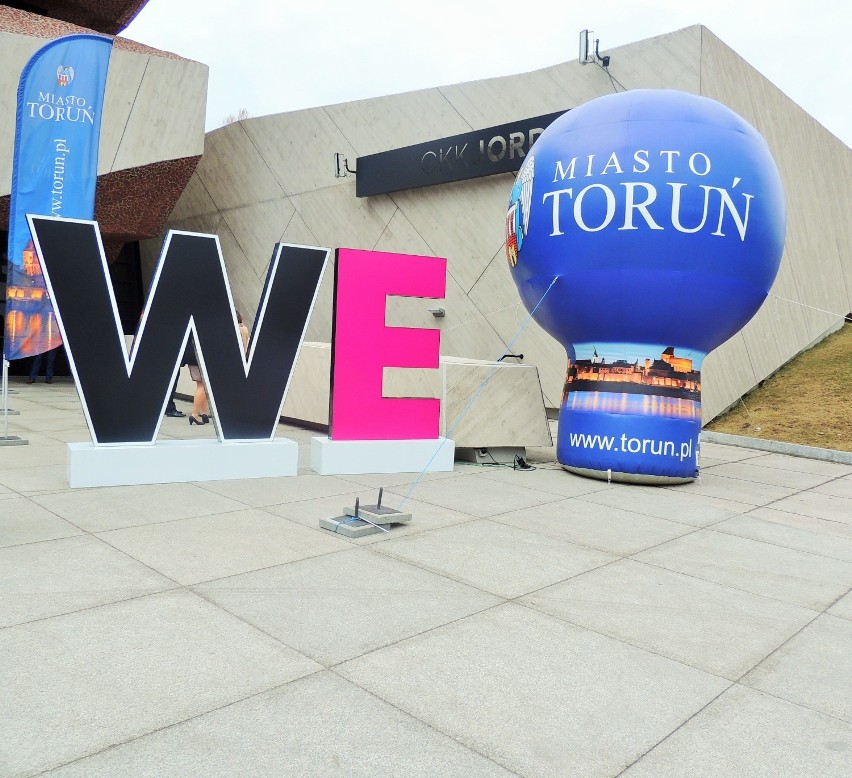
661	216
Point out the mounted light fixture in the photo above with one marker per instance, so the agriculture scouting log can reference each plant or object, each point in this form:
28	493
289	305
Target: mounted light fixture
341	166
588	53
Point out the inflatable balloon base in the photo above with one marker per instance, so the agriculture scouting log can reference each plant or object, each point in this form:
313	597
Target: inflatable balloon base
628	478
626	447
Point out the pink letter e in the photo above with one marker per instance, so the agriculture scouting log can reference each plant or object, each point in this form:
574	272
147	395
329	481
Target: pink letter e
362	345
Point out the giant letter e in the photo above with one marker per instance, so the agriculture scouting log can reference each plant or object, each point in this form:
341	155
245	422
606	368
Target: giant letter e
362	345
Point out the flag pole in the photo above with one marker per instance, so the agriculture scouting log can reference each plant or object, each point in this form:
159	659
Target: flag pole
7	439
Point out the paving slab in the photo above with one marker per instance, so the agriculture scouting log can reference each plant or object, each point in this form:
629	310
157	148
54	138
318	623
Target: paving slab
843	607
818	526
535	694
207	547
754	472
34	479
76	684
603	527
115	507
751	735
504	560
806	534
736	489
839	487
317	726
39	580
479	496
813	669
262	492
808	580
715	628
725	453
72	435
819	505
23	521
339	606
30	456
671	504
707	463
801	464
50	419
546	478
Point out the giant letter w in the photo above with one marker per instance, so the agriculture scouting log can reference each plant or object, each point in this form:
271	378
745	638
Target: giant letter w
124	394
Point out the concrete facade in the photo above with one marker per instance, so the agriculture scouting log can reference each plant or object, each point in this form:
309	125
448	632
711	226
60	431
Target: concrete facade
272	179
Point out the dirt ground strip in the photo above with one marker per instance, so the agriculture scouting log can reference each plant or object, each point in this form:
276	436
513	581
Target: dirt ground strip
808	401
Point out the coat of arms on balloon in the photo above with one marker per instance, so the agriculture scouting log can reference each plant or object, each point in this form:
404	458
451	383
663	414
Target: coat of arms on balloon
518	217
661	217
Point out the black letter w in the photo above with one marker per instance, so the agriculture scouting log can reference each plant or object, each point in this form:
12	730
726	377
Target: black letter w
124	395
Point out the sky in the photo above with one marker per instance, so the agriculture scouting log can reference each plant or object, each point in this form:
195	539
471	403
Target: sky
266	57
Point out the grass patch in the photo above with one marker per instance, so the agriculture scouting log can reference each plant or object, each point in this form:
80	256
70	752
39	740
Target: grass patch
808	401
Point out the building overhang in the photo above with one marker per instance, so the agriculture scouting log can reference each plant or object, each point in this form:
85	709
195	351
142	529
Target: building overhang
106	16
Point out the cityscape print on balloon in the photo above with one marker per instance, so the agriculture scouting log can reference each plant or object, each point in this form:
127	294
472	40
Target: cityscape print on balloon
634	379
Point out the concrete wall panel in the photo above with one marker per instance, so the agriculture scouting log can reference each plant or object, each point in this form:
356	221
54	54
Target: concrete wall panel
319	326
126	71
194	200
338	219
726	375
497	300
167	119
245	286
822	301
466	332
258	228
385	123
771	335
500	100
671	61
302	159
463	221
233	172
538	347
400	236
204	223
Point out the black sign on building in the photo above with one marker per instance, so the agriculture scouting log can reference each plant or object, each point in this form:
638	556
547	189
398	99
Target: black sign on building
486	152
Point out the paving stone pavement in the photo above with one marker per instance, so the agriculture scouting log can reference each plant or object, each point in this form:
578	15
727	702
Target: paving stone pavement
529	623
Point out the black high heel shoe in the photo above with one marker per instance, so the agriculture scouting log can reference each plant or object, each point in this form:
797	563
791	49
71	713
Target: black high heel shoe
193	420
205	419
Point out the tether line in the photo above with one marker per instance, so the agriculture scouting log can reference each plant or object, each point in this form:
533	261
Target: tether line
478	391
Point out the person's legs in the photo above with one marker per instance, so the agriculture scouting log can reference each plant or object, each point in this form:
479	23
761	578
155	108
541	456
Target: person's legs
36	368
199	404
51	362
171	408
